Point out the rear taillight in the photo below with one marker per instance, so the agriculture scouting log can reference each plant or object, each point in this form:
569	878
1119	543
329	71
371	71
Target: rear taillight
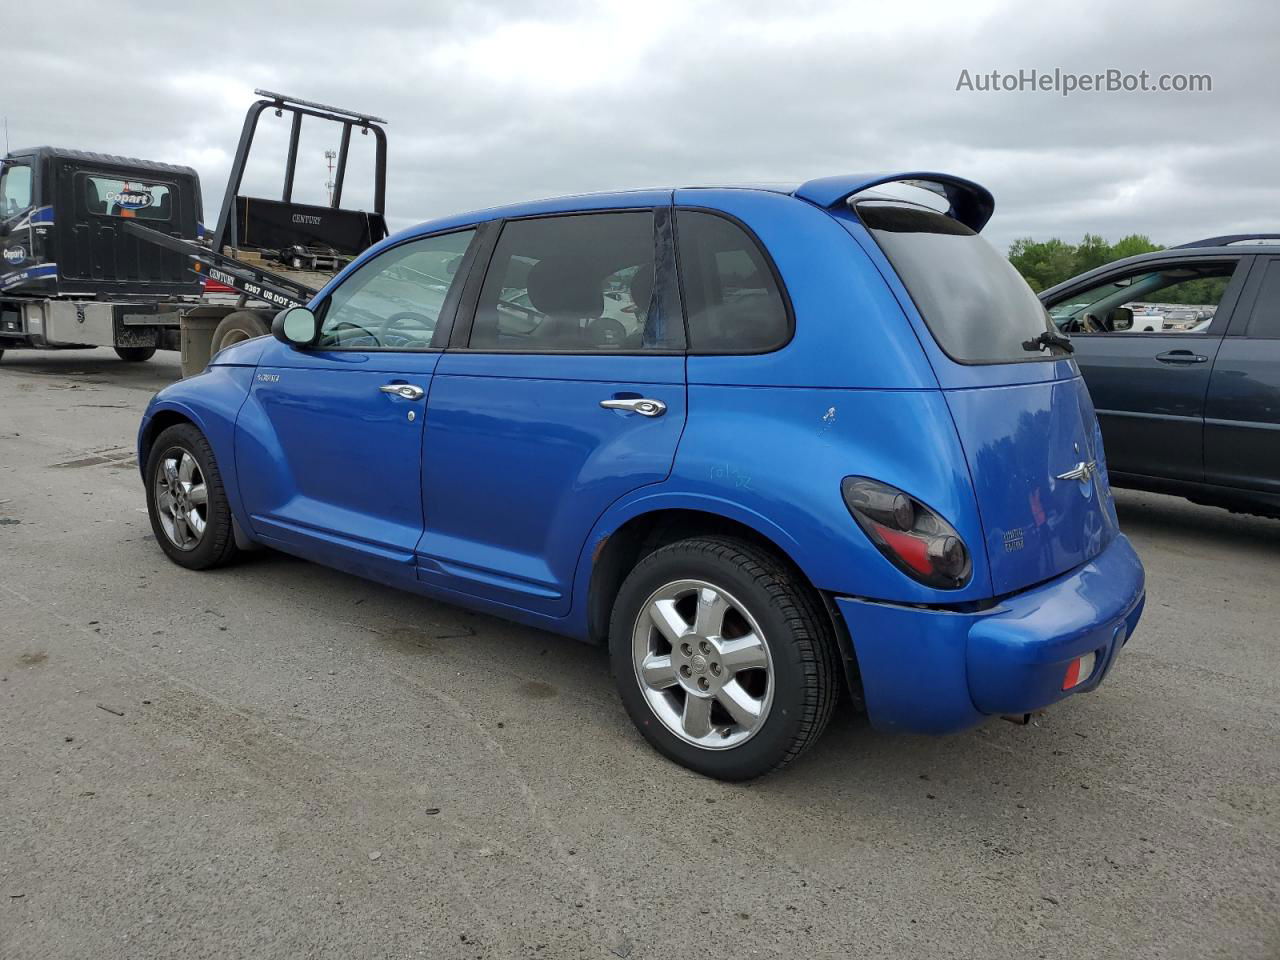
914	538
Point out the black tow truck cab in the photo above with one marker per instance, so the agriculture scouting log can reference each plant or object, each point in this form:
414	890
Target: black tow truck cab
99	250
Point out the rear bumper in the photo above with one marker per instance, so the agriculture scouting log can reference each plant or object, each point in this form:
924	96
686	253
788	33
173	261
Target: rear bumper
938	671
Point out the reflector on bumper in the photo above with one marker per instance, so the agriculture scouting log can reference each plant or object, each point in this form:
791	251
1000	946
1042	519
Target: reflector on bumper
1079	670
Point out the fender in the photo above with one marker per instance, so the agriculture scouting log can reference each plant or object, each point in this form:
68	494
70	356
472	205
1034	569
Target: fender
212	401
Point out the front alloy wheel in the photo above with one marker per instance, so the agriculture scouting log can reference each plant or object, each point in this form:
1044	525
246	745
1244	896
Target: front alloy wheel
182	499
186	501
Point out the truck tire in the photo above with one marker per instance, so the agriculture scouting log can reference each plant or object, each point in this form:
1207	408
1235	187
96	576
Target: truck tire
238	327
135	354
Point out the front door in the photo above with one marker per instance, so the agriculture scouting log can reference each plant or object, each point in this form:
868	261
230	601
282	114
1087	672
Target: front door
566	393
329	443
1242	414
1145	340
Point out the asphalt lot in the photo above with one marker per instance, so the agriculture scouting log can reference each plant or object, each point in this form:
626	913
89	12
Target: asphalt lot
277	760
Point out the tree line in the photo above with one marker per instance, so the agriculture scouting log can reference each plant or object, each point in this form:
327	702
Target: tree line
1044	263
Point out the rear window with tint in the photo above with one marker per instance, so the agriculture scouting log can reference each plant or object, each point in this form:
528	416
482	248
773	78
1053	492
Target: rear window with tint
732	301
977	306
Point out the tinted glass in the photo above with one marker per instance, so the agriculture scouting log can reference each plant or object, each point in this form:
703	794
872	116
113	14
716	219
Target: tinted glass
1265	322
577	284
15	189
128	198
393	302
732	301
1171	298
976	305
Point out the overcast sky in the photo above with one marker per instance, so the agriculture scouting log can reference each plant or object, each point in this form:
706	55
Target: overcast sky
495	102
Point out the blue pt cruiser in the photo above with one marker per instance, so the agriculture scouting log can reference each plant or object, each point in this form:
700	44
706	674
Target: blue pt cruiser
766	444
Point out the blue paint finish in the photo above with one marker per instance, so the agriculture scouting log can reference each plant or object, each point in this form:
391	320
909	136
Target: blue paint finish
330	462
499	492
1018	440
211	400
938	671
781	454
522	460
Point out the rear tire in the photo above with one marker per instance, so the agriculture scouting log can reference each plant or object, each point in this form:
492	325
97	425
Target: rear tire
236	328
135	354
186	500
721	620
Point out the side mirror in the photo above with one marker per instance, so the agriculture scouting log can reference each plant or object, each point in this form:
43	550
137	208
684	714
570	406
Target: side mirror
1121	318
296	326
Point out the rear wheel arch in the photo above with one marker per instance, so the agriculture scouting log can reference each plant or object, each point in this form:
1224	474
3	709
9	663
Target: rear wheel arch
616	555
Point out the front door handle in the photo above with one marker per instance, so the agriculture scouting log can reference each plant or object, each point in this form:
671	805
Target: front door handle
644	406
406	391
1180	356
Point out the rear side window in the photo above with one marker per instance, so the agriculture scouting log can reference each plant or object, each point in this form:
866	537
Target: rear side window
976	305
731	297
127	198
583	283
1265	322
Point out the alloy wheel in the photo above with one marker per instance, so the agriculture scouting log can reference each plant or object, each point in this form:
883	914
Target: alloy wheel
703	664
182	499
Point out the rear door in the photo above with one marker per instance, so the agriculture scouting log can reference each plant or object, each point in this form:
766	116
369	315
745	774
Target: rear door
1242	412
1145	340
329	443
567	392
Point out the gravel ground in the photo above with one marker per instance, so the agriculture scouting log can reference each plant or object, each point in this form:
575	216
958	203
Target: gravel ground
277	760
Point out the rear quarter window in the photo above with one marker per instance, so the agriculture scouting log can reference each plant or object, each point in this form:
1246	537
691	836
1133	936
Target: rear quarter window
976	305
732	297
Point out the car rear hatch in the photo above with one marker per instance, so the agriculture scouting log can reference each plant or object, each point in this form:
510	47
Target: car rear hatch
1022	412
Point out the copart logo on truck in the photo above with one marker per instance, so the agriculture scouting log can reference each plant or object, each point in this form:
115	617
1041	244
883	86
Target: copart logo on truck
131	198
15	254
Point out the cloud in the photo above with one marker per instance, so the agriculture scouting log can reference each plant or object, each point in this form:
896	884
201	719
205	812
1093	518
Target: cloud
493	102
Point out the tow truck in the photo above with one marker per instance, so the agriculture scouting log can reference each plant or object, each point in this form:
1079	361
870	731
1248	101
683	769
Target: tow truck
107	251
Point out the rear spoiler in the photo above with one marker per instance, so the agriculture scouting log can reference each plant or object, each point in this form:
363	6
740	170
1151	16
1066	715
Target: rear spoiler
971	203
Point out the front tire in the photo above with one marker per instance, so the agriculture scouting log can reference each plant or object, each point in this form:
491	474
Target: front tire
186	500
723	657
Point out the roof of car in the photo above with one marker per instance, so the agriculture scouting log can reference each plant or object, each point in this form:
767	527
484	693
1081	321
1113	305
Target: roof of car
86	156
969	202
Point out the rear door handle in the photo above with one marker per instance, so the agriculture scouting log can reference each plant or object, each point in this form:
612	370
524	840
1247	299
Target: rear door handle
644	406
406	391
1180	356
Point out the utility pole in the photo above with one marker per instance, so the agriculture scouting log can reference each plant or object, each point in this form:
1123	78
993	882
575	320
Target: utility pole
330	155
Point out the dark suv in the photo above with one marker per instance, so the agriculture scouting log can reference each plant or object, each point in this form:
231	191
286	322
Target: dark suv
1181	352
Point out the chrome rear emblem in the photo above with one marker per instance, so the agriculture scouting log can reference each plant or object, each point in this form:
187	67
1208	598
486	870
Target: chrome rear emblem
1082	471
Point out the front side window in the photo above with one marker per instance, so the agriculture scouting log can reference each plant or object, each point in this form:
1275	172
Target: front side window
731	297
583	283
394	301
138	199
976	305
15	189
1169	298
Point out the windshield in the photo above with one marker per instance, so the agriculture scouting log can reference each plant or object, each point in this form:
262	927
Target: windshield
15	189
976	305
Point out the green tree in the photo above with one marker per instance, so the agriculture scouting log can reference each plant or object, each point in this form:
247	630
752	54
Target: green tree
1044	263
